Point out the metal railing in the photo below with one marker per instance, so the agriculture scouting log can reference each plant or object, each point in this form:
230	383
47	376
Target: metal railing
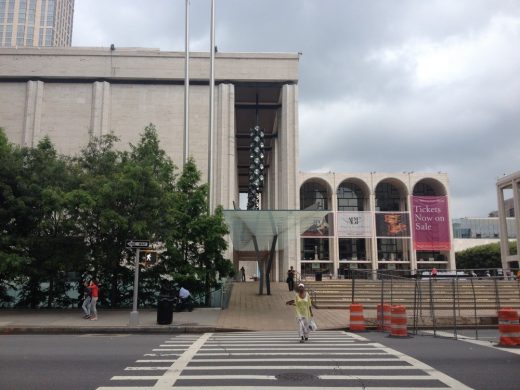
450	300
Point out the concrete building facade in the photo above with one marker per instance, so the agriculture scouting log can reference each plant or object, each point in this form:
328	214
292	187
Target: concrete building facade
509	183
36	23
72	94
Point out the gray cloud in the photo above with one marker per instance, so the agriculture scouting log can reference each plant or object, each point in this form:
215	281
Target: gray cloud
408	85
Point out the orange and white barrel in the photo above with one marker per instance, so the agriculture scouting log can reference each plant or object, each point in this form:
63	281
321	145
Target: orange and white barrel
399	322
380	317
357	320
509	327
387	317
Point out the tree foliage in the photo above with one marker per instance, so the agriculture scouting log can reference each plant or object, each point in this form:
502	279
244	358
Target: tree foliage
482	256
61	217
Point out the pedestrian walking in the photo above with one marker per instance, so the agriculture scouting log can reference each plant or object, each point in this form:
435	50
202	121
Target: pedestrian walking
95	295
290	279
87	299
243	273
303	305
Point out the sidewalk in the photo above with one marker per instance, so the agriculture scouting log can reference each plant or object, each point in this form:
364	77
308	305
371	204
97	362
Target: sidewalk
247	311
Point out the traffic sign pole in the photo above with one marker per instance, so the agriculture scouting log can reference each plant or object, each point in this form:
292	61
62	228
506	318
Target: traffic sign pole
134	314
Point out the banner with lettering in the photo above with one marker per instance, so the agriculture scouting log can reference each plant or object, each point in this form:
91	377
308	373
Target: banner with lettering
354	224
431	225
392	224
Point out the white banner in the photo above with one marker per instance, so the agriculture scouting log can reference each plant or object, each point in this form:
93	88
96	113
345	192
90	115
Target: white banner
354	223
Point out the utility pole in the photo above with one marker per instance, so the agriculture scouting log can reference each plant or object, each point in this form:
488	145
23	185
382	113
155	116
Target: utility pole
211	105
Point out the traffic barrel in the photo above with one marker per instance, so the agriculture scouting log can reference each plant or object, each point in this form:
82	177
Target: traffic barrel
508	327
399	322
357	320
380	317
387	317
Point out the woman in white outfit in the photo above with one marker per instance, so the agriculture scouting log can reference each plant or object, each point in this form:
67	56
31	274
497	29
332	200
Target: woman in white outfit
303	305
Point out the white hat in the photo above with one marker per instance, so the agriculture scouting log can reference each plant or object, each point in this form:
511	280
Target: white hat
301	285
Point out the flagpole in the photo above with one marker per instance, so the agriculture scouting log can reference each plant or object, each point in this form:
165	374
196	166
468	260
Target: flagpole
211	104
186	81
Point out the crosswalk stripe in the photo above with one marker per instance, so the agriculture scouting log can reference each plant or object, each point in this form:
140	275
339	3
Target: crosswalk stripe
293	367
135	378
293	348
233	377
155	360
332	360
167	349
288	353
241	387
377	377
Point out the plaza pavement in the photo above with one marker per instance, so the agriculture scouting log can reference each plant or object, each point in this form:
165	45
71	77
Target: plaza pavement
247	311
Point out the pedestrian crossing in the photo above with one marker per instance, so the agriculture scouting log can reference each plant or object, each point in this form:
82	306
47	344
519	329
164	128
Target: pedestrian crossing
276	360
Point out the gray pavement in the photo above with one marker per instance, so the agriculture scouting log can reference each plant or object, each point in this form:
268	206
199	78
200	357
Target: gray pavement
251	360
114	321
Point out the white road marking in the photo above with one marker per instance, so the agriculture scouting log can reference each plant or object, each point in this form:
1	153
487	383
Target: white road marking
288	353
162	354
145	368
135	378
226	377
175	345
452	382
294	367
332	360
378	377
167	349
240	387
155	360
293	348
173	372
482	343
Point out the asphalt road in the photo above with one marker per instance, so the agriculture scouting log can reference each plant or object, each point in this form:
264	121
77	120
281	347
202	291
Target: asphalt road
246	360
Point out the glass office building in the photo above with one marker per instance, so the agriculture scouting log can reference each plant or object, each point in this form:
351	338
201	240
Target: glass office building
36	23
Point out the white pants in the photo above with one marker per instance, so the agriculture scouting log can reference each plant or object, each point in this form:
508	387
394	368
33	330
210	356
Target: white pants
303	327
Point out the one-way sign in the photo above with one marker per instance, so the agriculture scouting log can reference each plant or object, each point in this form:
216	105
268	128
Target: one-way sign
137	244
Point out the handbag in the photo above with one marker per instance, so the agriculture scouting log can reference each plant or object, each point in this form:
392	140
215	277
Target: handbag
312	325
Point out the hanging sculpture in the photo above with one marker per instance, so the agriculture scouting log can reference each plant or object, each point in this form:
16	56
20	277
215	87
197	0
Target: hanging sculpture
256	167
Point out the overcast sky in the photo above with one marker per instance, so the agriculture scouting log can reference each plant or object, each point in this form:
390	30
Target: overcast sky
388	85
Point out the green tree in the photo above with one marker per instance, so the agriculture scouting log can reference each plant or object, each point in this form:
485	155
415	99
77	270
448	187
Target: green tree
125	195
482	256
196	243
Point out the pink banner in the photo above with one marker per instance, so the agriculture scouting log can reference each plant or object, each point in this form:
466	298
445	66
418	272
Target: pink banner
431	225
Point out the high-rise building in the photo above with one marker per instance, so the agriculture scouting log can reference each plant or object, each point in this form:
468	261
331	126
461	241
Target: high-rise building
33	23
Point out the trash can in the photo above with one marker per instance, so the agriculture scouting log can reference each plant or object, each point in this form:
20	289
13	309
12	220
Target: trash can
318	276
165	310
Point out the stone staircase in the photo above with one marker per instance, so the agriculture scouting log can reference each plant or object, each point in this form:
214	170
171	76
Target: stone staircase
337	294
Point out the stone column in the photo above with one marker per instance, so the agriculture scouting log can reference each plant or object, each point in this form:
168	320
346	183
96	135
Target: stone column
504	241
223	188
33	113
100	112
287	170
516	206
373	240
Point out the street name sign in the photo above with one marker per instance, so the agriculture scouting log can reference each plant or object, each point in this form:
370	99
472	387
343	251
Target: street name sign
137	244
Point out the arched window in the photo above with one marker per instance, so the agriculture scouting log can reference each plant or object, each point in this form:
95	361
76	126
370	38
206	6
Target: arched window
388	197
314	196
429	187
350	197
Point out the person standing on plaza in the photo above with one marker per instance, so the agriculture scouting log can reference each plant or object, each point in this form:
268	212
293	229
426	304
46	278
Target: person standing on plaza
290	278
434	273
243	273
95	295
304	316
87	299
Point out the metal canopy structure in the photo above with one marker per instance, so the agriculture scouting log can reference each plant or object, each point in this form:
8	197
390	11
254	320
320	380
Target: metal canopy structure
265	231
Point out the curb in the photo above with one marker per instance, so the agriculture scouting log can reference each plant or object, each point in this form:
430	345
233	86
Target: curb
14	330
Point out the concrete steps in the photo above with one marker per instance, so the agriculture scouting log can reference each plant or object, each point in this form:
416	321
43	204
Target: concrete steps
337	294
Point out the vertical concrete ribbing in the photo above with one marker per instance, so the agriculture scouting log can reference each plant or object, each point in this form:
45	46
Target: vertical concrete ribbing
33	113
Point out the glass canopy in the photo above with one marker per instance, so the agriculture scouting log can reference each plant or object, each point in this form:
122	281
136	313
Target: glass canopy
288	225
